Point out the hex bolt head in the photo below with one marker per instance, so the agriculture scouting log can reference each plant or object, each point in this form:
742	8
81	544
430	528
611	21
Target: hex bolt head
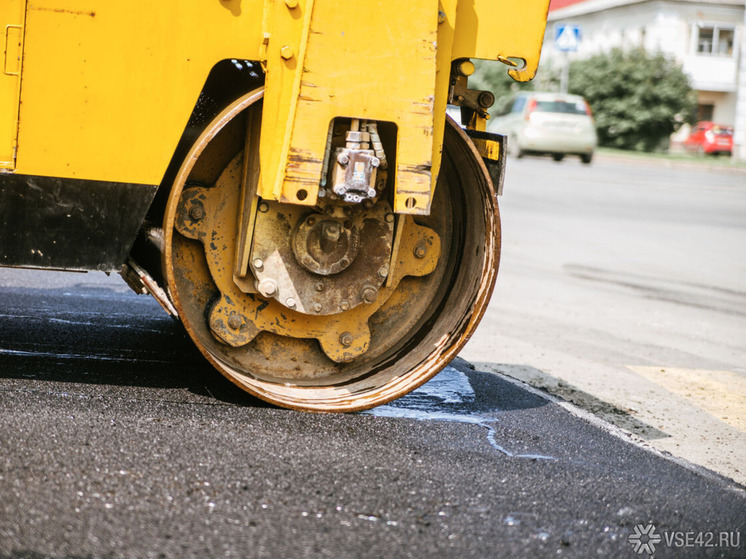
389	218
317	307
420	251
345	339
290	302
197	212
369	294
319	287
310	221
343	159
234	321
258	263
267	287
344	262
287	52
263	207
383	272
344	305
375	161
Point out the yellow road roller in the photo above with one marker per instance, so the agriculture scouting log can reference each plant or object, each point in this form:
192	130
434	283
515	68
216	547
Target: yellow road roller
281	175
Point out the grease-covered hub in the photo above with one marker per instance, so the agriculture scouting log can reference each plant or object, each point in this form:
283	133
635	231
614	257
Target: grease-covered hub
325	246
322	263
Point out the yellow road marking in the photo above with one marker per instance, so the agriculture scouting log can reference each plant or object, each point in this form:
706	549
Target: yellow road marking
722	394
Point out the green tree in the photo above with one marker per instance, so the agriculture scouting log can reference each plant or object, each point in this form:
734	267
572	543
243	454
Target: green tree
638	99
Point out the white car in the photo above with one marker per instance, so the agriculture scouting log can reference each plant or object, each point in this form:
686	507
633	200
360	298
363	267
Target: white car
553	124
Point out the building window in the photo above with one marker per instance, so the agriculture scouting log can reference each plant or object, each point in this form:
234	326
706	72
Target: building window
705	111
714	39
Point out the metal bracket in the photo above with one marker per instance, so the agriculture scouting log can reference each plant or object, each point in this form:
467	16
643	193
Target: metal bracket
492	148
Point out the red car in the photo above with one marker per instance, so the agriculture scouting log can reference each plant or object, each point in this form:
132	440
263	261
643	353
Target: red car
710	138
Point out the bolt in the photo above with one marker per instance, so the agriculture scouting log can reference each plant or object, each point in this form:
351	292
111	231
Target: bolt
389	218
372	193
234	321
317	307
291	3
344	305
310	221
330	231
258	263
319	287
267	287
286	52
263	207
375	161
343	159
348	224
383	272
290	302
307	261
197	212
345	339
344	262
441	16
419	251
369	294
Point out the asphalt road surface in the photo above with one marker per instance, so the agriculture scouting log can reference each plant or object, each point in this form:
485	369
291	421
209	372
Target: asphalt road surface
117	440
622	288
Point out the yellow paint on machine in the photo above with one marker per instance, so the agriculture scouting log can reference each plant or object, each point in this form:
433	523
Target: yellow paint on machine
11	17
379	65
106	88
722	394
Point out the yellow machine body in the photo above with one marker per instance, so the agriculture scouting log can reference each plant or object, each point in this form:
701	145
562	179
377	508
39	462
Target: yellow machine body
103	90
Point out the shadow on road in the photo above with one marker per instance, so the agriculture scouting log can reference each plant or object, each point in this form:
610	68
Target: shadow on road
100	336
95	335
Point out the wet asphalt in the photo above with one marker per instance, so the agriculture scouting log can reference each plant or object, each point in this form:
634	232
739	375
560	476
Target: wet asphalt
118	440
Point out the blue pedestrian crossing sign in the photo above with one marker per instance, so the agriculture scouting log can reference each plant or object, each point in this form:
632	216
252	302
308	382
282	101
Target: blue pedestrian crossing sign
566	37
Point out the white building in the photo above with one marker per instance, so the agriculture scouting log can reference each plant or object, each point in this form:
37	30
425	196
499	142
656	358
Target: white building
705	36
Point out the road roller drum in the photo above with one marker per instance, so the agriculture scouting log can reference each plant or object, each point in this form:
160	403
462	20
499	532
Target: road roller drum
282	178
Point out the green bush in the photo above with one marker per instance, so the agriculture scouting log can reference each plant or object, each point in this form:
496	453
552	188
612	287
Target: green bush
638	99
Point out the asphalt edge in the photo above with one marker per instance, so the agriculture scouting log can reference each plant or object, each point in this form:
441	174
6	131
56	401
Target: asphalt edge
618	432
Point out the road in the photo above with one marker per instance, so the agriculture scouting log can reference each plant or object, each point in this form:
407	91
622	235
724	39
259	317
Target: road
117	440
622	288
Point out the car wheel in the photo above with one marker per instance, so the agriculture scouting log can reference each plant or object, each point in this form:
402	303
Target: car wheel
586	158
558	156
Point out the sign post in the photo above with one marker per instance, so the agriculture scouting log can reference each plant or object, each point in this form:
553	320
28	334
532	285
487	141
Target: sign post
566	39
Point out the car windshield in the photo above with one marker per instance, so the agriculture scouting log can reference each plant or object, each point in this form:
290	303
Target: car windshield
566	107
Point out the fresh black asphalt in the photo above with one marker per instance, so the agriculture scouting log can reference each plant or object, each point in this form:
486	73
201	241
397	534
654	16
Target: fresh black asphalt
118	440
